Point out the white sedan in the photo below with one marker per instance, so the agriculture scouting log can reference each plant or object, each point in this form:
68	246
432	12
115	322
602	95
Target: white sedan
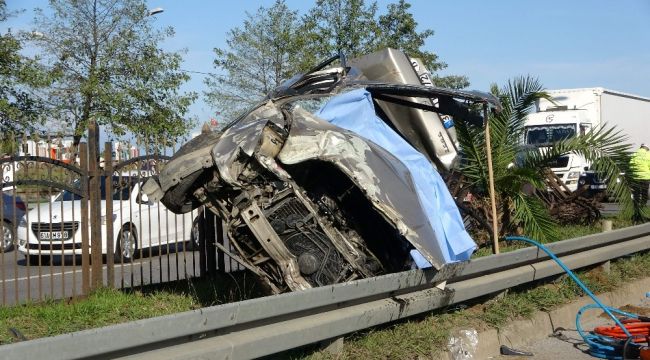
53	228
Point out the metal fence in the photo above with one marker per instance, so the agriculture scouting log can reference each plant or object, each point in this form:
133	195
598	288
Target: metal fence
74	224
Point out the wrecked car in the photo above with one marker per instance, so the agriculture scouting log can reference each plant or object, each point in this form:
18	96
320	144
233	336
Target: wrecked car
334	176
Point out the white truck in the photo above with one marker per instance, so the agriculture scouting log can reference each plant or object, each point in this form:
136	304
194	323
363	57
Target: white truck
576	112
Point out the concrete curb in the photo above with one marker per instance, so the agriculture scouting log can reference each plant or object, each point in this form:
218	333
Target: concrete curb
522	332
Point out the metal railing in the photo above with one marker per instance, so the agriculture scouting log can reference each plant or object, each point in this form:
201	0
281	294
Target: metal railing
78	216
269	325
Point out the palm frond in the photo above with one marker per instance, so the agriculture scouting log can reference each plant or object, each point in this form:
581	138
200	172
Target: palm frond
506	127
515	166
534	218
608	151
524	92
474	159
516	177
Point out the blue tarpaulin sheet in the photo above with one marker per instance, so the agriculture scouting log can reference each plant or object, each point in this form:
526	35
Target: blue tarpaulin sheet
355	112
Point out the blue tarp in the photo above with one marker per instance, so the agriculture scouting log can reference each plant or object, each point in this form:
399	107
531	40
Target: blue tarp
355	112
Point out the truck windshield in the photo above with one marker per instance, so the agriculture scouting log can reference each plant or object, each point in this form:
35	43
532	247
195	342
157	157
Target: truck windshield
546	134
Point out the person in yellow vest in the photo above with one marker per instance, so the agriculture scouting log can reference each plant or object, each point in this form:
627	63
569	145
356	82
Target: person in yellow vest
640	166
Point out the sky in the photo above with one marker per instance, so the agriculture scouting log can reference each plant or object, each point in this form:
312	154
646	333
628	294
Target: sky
566	44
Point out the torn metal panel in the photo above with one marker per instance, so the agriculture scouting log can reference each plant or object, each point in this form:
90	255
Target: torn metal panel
381	177
271	242
242	138
424	130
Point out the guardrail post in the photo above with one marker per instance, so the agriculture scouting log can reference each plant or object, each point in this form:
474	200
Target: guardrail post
606	225
333	346
606	266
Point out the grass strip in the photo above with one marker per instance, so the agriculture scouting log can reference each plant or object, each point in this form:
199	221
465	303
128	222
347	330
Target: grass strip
102	307
111	306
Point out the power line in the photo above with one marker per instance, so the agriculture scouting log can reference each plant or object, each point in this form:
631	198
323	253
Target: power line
197	72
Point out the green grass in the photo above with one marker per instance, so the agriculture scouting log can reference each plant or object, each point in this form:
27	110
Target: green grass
565	231
103	307
109	306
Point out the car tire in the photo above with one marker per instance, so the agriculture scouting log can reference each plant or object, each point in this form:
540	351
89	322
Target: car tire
126	245
8	236
197	234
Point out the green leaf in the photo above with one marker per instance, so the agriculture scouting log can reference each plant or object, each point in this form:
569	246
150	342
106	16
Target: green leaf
533	217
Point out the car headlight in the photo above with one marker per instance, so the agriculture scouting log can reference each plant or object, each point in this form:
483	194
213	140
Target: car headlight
573	175
112	216
23	222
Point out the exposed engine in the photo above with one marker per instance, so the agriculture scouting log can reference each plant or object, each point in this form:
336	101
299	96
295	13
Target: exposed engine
295	239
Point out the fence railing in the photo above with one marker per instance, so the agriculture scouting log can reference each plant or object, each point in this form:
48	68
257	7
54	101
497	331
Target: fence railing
71	225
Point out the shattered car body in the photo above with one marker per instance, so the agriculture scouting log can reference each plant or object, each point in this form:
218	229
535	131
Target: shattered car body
308	203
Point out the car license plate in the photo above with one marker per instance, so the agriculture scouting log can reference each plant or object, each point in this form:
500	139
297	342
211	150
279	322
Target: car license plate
54	235
599	186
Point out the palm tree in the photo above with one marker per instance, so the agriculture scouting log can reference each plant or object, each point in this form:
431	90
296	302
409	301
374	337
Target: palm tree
518	170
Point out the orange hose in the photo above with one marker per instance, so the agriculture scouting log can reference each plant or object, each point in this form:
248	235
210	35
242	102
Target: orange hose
639	330
644	353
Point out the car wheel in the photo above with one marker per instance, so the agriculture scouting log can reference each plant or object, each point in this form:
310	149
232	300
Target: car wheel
127	245
8	236
196	235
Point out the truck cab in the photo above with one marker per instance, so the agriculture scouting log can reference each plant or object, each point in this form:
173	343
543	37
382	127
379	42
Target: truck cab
575	112
546	127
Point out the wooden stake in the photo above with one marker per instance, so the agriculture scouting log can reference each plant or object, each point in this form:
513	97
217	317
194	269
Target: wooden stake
495	223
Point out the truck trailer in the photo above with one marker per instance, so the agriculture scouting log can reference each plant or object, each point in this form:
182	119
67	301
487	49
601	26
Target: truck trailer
575	112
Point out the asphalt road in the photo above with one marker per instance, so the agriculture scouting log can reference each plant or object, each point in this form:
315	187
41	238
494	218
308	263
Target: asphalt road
62	278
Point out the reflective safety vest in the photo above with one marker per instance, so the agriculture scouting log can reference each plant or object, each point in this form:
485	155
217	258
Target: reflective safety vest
640	164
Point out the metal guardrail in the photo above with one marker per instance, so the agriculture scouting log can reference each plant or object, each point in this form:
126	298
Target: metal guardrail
268	325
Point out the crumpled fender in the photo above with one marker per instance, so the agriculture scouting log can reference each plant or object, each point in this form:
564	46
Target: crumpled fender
243	137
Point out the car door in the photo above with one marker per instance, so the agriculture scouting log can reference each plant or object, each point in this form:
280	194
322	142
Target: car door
153	218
